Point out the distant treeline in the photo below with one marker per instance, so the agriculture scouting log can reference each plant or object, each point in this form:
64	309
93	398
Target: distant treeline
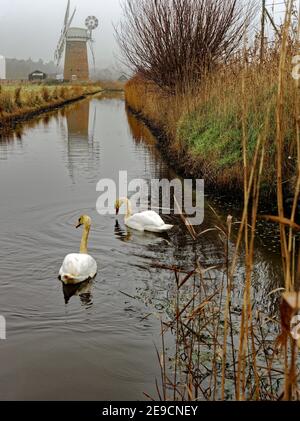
20	69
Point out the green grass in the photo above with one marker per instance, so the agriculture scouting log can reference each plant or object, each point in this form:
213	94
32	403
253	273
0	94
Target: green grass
208	134
205	126
214	133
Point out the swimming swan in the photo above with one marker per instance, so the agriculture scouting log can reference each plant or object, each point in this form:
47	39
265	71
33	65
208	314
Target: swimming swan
145	221
78	268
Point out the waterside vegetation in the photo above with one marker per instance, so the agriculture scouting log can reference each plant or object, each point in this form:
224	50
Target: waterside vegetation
22	102
233	120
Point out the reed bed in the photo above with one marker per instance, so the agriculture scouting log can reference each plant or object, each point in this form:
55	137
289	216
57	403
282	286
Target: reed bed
241	126
112	85
204	127
17	101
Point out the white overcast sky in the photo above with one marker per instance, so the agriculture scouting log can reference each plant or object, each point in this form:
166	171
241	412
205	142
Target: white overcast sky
31	28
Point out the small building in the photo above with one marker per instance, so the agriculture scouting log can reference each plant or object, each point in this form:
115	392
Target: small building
37	75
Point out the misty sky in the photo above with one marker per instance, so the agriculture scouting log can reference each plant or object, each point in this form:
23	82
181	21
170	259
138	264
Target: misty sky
31	28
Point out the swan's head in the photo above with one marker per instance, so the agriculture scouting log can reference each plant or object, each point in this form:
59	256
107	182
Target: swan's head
84	220
123	201
118	205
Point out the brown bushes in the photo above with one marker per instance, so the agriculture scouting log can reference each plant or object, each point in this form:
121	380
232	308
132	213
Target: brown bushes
205	126
174	42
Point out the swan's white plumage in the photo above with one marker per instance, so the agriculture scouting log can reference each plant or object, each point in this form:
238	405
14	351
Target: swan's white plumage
147	221
78	268
144	221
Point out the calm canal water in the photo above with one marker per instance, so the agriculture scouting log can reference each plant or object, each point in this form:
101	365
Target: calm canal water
95	342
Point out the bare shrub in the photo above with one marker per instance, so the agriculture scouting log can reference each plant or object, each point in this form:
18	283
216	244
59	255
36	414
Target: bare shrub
174	42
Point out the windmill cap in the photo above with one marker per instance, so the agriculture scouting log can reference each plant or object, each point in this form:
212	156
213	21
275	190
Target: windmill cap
77	34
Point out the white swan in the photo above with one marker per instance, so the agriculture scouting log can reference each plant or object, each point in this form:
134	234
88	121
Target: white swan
145	221
78	268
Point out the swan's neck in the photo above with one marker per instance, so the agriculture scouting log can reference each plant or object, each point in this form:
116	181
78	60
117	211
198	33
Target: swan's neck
84	240
128	208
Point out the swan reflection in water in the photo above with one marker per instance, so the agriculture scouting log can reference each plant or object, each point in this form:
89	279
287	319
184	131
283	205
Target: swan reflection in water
140	238
122	234
83	291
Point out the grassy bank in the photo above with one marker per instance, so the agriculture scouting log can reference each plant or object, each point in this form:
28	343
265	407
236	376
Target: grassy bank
112	86
203	131
19	102
240	131
237	125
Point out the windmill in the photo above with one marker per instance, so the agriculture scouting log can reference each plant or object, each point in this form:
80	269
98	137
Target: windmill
74	41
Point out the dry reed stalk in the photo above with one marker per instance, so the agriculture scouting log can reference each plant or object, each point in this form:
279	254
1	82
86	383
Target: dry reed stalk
280	139
194	316
244	224
227	313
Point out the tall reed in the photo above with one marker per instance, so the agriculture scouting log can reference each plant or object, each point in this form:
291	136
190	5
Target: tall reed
262	102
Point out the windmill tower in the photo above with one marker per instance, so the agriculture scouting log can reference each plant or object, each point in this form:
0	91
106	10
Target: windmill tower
74	42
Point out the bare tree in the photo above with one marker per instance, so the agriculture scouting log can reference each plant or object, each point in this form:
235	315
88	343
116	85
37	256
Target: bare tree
173	42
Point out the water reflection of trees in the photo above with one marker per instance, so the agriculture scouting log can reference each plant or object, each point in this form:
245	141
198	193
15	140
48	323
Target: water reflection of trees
146	146
11	136
10	140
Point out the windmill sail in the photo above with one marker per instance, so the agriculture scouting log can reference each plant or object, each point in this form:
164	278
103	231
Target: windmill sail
92	52
61	43
67	14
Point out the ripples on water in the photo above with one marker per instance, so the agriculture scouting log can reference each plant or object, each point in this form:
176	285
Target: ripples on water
92	342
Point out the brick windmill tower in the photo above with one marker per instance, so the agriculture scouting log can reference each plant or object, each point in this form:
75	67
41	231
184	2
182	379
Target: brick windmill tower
74	42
